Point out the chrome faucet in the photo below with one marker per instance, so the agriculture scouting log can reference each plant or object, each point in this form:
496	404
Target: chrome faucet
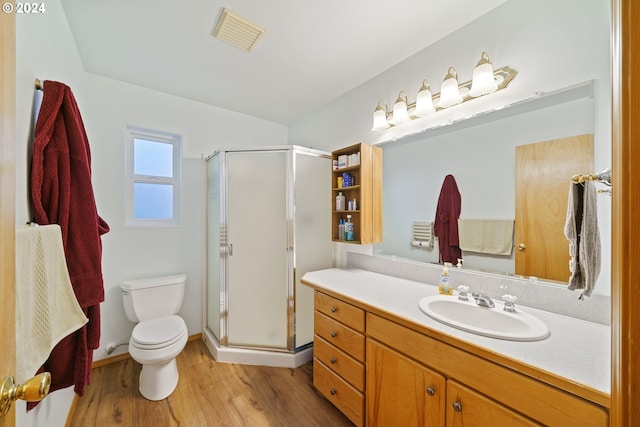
483	299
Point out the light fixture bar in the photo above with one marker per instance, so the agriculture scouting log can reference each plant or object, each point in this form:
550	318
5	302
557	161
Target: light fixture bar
503	76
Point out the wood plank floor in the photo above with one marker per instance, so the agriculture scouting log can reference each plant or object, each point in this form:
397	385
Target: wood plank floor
208	394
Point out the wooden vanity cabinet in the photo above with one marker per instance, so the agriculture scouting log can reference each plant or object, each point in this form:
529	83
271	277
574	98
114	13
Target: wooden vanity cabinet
339	355
401	392
413	378
479	392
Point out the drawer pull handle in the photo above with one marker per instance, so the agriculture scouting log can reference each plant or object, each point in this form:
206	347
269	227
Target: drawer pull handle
431	391
333	392
457	406
334	334
333	360
334	309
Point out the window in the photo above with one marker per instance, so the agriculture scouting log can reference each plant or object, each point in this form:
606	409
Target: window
154	178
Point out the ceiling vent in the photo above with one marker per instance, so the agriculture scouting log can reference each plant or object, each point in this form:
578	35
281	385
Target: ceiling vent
237	30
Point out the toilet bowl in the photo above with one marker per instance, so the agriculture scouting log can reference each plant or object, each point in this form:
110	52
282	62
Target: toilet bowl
155	344
160	335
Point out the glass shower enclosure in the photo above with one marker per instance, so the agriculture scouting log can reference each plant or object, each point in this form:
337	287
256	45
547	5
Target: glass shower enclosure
268	223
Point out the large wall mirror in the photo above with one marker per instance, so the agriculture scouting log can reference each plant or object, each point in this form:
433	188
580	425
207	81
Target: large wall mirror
480	153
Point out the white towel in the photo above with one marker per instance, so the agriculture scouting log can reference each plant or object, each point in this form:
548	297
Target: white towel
581	229
489	236
46	306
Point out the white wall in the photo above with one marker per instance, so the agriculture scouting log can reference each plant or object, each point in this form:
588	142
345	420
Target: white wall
46	50
552	44
135	252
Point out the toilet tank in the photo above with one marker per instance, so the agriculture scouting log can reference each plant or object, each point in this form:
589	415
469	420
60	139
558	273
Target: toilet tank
150	298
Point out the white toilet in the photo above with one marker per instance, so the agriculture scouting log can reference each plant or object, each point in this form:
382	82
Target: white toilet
159	335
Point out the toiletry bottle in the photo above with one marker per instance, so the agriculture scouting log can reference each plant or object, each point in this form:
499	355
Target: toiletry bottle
341	229
340	202
348	229
445	286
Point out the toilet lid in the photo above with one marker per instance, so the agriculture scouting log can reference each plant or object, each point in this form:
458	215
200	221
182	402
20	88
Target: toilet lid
158	333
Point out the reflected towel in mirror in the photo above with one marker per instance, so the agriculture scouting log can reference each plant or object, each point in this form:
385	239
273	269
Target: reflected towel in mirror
581	229
489	236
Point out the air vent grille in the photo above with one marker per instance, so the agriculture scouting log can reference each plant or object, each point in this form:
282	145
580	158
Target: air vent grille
237	31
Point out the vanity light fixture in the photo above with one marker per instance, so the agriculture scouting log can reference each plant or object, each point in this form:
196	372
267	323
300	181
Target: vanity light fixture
485	81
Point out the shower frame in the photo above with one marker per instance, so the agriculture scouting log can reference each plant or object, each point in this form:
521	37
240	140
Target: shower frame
306	190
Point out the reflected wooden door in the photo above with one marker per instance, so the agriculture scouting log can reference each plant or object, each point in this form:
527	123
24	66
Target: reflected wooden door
7	202
543	174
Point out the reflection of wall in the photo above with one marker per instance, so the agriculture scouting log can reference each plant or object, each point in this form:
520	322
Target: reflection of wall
482	160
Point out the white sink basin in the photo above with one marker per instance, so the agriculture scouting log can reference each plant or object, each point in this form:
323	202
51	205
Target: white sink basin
490	322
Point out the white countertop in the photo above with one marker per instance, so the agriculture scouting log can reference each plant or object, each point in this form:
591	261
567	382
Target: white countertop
577	350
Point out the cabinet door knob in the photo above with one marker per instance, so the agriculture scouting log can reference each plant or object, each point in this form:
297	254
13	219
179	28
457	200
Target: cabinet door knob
334	334
431	391
333	360
457	406
333	391
334	309
521	247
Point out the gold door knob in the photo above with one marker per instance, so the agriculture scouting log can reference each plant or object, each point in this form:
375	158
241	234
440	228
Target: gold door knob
33	390
521	247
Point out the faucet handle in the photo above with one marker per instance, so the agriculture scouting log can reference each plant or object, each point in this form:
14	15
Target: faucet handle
463	290
509	302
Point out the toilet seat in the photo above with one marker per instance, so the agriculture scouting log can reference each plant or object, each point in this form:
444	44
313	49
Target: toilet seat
158	333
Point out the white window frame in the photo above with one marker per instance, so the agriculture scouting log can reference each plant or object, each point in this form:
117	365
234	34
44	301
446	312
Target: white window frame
132	133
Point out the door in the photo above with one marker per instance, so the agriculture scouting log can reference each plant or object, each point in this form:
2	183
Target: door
7	202
543	175
401	392
467	408
257	258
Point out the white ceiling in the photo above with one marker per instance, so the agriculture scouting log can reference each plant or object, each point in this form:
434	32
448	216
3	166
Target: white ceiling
312	52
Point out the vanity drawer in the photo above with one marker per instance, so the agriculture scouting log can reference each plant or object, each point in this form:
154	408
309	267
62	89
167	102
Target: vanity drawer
339	362
346	398
339	310
337	334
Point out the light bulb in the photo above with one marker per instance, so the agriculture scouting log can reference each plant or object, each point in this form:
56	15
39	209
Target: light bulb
449	92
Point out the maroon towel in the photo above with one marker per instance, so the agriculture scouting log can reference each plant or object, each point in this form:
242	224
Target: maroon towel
445	226
61	193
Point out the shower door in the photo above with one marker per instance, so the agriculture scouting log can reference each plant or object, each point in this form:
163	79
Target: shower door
257	251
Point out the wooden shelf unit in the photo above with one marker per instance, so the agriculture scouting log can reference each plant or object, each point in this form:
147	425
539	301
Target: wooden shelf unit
367	218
